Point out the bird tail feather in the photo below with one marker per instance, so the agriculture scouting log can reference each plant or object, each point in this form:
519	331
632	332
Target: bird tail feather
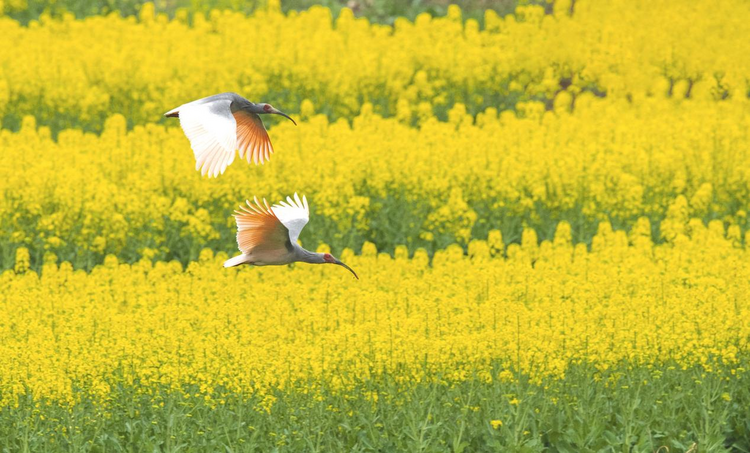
236	261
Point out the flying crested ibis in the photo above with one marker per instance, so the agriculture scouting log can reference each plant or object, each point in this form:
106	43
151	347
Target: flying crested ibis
268	235
219	125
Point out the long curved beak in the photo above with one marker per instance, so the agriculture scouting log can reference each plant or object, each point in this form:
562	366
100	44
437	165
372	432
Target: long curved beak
350	269
279	112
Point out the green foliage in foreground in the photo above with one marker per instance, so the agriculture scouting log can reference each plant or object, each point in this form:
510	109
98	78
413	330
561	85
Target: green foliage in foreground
620	410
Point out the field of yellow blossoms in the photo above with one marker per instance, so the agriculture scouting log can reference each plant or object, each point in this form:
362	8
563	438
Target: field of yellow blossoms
548	212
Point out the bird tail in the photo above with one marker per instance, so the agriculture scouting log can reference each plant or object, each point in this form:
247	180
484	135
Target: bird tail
236	261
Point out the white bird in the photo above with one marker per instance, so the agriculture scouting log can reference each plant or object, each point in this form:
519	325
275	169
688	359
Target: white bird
221	124
268	235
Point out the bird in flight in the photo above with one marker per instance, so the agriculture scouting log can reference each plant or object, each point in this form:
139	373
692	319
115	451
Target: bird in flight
221	124
268	235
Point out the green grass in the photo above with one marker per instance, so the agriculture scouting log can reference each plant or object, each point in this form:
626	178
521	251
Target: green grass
624	409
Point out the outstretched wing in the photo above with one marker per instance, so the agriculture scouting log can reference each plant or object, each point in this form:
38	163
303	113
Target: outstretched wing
212	131
252	138
259	230
294	214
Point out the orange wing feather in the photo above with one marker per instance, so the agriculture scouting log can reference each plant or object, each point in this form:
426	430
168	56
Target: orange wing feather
253	142
258	229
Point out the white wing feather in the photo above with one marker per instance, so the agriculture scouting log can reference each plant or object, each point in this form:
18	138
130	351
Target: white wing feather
212	131
293	214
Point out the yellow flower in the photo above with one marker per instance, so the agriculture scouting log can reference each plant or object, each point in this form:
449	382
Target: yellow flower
22	260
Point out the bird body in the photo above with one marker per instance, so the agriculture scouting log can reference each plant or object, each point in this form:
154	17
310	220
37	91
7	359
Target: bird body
220	125
293	254
268	235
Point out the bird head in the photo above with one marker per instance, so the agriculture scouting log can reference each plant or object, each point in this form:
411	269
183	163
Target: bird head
330	259
268	108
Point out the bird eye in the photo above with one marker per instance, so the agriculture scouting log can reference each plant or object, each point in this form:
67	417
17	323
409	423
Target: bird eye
267	107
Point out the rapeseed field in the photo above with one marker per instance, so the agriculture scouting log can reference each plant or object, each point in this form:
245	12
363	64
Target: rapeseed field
548	212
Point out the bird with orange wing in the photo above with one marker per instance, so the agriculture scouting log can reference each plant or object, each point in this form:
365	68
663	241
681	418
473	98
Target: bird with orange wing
218	126
268	235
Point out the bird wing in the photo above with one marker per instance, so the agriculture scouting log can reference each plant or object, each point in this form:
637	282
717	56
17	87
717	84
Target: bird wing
259	230
252	138
294	214
212	131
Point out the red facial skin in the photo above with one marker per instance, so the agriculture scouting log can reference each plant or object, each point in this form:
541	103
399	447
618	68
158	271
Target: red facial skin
266	108
329	258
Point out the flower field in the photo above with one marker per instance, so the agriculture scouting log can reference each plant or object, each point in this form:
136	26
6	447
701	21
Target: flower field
548	212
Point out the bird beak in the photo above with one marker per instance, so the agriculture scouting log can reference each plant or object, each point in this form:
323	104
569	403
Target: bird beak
350	269
279	112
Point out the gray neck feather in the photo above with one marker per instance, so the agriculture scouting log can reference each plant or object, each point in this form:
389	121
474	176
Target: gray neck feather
255	108
307	256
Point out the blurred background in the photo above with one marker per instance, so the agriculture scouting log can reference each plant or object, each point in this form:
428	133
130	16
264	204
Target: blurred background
381	11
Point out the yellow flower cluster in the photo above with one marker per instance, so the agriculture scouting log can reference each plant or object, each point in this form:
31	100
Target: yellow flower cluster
581	173
249	330
124	191
143	66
